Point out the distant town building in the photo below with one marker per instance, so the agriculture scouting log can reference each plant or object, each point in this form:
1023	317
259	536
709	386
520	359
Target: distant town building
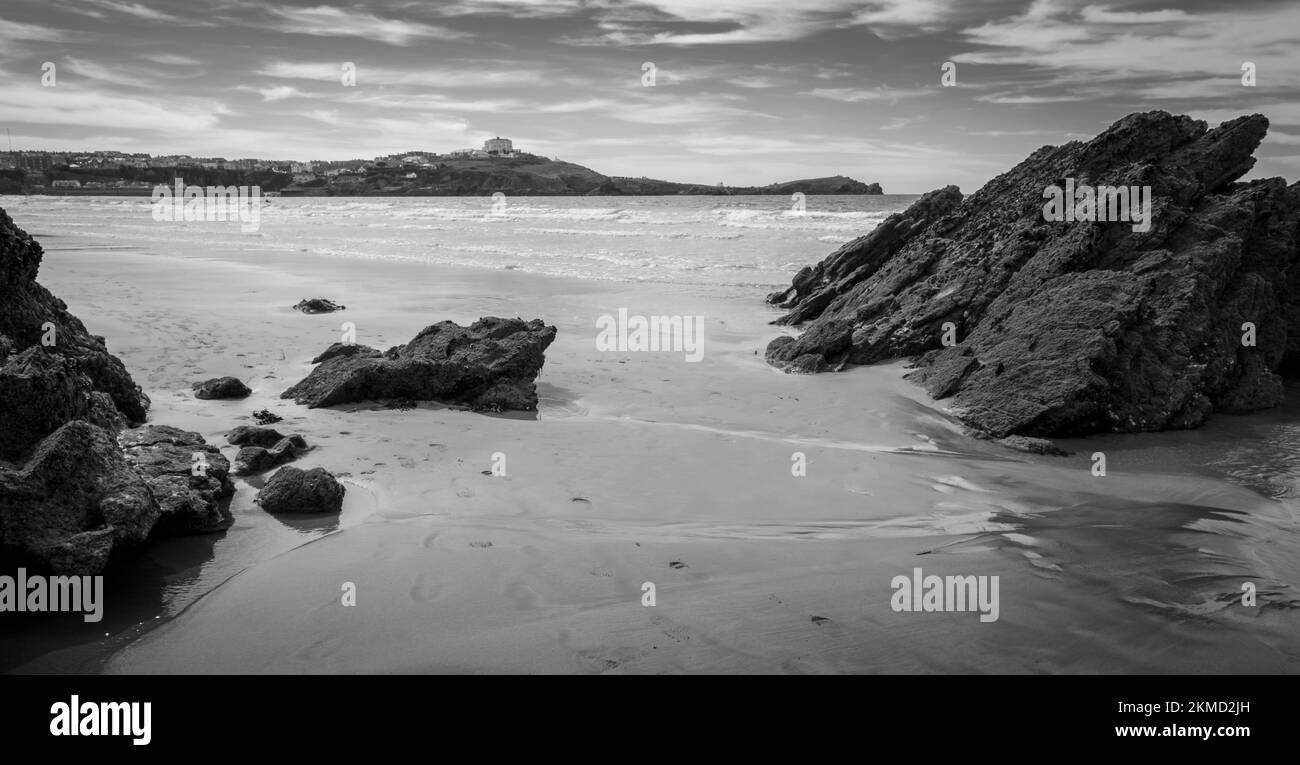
499	147
37	160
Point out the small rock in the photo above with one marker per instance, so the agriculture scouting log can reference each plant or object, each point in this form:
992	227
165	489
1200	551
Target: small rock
257	459
292	490
318	305
221	387
253	435
266	417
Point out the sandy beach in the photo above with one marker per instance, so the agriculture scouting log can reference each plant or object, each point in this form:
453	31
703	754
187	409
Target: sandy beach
639	468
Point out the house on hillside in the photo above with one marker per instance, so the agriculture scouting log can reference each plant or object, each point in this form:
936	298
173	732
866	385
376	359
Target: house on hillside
499	147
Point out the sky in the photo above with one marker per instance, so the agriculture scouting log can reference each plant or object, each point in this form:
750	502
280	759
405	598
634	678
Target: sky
743	91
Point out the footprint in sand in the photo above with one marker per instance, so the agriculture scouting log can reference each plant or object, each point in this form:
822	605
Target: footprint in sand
595	661
321	649
675	633
425	588
523	596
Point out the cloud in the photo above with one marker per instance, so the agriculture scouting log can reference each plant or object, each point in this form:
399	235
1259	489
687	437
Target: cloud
98	110
279	93
12	31
468	75
324	21
683	112
1094	14
857	95
134	9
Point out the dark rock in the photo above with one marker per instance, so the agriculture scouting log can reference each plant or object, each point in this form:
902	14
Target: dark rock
256	459
39	393
292	490
318	305
71	493
1033	446
346	349
25	310
221	387
188	476
266	417
253	435
74	501
1076	328
491	365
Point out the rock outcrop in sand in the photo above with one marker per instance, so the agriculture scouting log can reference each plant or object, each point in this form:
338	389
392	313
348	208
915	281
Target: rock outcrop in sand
258	459
70	493
292	490
318	305
221	388
491	365
1070	328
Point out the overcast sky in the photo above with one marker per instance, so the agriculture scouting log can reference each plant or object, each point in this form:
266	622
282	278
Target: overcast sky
746	91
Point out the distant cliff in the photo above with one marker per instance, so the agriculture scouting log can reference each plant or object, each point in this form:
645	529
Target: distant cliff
836	184
524	175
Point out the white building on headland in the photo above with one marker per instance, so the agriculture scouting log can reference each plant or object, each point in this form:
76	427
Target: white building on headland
499	147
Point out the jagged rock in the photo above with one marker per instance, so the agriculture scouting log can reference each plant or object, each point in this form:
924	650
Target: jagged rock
221	387
318	305
491	365
188	476
346	349
256	459
253	435
292	490
1070	328
74	501
29	314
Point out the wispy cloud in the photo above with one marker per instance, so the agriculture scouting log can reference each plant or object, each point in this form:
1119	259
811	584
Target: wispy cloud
325	21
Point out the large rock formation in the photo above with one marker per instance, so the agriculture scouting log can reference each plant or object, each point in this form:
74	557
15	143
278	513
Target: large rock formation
30	317
491	365
70	494
1069	328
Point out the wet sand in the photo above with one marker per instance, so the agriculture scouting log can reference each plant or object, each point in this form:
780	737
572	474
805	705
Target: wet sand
643	468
